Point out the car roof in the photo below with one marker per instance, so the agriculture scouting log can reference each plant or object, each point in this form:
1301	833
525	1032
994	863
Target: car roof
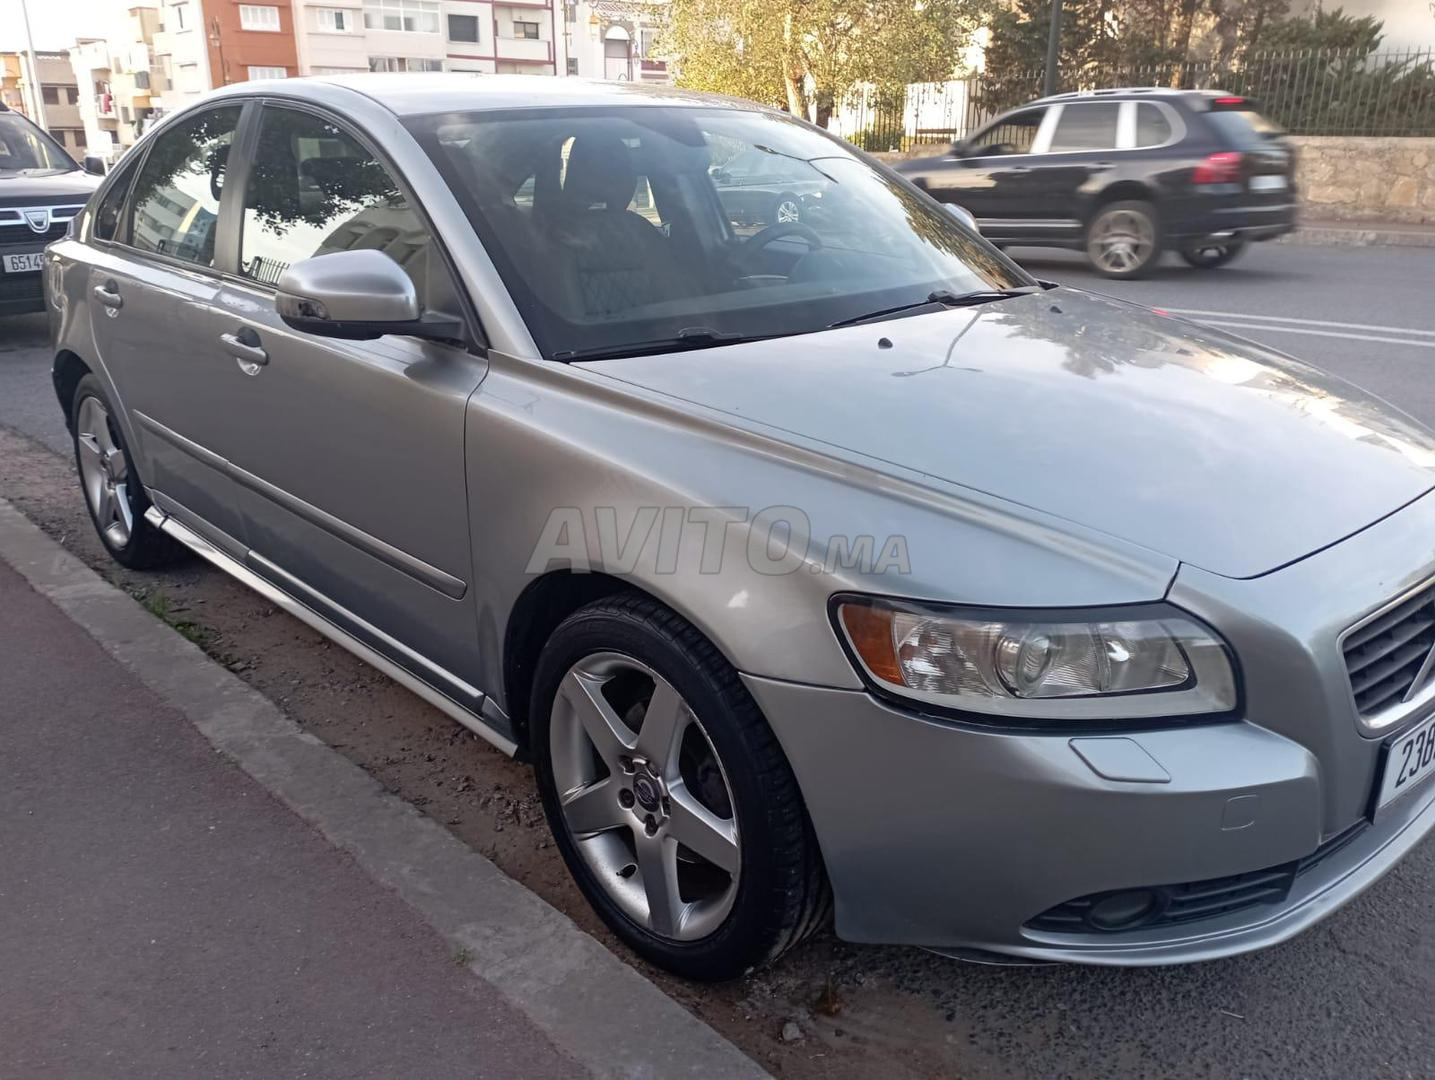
415	93
1123	93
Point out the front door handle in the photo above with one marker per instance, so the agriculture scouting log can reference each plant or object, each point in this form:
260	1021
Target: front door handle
244	346
1019	170
108	294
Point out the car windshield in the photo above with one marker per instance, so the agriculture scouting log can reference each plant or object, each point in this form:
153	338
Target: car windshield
25	148
622	227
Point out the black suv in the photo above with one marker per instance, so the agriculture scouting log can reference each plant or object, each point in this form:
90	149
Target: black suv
1122	175
41	189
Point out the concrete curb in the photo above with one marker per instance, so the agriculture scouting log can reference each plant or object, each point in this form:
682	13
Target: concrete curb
1360	236
592	1005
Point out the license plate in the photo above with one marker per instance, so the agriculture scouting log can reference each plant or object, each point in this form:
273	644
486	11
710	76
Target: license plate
1273	182
22	264
1409	763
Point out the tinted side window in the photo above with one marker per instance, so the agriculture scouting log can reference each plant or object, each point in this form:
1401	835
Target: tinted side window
108	214
176	203
1152	127
1014	135
314	190
1086	125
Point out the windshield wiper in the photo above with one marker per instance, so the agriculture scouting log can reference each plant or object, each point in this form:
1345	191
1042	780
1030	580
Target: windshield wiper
691	337
942	297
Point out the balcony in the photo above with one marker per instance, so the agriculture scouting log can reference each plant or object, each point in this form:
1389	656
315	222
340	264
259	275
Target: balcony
521	49
105	107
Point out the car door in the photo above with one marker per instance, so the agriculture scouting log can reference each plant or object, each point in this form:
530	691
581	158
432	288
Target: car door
989	174
351	454
153	286
1082	149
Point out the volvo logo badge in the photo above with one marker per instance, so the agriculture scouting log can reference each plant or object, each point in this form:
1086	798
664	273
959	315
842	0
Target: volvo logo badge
38	219
646	792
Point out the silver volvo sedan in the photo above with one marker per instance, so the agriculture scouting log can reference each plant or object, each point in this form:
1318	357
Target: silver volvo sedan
825	567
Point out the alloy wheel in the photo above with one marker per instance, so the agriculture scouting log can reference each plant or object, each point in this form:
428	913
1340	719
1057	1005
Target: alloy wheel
788	211
1121	241
644	797
104	472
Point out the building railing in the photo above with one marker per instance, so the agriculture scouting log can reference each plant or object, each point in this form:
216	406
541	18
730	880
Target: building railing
1307	92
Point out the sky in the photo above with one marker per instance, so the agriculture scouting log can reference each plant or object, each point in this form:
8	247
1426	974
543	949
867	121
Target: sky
56	23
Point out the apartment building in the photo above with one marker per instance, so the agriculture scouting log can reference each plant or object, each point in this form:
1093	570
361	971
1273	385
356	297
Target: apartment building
247	41
515	37
21	73
610	39
118	78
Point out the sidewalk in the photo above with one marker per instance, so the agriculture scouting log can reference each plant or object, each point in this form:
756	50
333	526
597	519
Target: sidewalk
266	911
162	915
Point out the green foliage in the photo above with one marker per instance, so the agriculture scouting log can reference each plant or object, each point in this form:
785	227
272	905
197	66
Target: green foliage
807	54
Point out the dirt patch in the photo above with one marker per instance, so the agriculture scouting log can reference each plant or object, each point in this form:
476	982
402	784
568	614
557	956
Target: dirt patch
838	1006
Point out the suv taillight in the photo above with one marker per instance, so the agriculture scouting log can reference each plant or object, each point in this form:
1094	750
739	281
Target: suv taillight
1220	168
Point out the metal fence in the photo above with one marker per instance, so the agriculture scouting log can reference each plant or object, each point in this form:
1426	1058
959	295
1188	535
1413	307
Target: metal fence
1307	92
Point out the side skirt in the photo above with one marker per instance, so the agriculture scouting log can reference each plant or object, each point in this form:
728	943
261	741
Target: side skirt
489	730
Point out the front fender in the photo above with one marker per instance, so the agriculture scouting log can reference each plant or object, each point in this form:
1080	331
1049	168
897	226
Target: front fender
679	503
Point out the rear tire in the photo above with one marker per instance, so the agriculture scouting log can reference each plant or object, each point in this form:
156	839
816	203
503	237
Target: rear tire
1208	256
111	488
750	885
1123	240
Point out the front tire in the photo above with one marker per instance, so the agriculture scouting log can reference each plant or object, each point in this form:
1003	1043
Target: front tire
1208	256
668	795
112	489
1123	240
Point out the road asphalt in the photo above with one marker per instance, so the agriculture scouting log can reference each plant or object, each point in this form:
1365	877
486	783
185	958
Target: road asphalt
170	910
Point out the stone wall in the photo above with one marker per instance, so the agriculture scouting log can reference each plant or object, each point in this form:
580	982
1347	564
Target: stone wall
1345	178
1348	178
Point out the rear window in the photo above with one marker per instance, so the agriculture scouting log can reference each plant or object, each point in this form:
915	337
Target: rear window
1244	128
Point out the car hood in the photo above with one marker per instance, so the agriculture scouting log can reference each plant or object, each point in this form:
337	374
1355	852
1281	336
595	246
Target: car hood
39	188
1171	435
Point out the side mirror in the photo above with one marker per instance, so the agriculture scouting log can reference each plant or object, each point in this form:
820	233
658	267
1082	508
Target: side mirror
962	214
357	296
93	164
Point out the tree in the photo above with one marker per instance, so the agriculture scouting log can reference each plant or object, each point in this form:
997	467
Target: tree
807	54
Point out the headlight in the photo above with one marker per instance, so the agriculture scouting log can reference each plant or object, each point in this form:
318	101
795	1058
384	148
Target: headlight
1146	661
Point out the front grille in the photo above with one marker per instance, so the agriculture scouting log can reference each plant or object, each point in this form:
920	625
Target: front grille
1171	905
15	230
1385	655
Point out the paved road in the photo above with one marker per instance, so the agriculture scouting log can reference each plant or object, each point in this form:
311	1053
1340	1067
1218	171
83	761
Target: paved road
164	916
1352	997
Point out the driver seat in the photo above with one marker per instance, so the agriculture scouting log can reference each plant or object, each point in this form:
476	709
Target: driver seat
612	259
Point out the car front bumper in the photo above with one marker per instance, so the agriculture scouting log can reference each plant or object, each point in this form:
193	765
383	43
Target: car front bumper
958	836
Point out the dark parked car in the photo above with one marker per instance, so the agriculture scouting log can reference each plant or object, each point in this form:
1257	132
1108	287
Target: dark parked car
41	189
762	187
1124	175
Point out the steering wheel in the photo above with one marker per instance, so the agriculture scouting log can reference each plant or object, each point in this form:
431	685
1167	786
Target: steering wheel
754	244
760	239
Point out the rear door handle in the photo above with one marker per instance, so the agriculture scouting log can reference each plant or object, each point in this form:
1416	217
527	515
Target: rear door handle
244	346
109	295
